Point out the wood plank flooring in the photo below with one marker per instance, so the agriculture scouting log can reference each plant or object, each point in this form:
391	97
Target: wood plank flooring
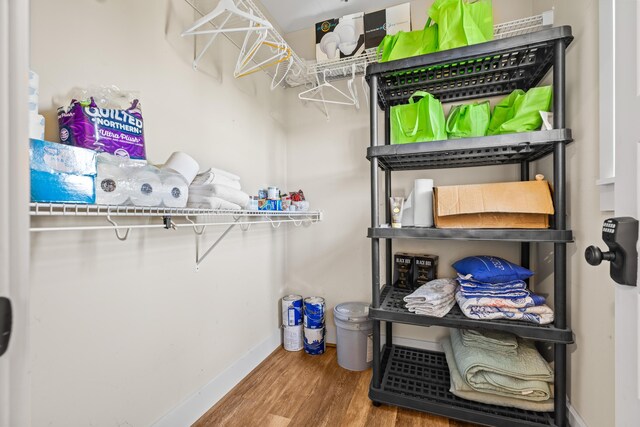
295	389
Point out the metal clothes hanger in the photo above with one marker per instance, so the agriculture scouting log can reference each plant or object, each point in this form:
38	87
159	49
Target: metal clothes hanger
275	84
229	7
281	53
310	94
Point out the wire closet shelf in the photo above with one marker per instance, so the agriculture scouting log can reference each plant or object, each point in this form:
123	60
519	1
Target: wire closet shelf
300	72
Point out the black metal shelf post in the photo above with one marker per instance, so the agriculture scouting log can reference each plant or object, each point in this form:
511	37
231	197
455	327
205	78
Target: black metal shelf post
419	379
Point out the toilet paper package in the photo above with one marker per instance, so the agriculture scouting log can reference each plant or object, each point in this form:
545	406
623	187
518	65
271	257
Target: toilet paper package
103	119
61	174
34	91
113	179
146	186
175	190
36	126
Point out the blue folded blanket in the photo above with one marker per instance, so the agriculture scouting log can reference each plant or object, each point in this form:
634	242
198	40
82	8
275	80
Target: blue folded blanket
474	284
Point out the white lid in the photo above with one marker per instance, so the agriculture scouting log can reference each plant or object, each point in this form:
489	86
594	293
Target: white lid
352	311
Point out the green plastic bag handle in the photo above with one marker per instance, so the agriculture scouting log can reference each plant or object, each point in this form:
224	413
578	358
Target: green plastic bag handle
420	93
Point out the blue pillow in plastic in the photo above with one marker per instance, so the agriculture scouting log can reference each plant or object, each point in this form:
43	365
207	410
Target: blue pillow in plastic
491	269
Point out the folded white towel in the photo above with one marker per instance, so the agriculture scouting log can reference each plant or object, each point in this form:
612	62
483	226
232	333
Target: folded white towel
439	310
210	177
207	176
435	290
224	192
210	202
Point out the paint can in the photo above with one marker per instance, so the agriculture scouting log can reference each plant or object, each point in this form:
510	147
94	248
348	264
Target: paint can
291	310
292	338
314	312
314	341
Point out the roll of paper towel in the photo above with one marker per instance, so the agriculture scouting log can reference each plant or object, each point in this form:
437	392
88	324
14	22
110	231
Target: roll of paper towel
112	184
175	190
423	203
146	187
183	164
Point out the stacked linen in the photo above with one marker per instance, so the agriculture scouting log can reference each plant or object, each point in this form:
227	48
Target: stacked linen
498	368
493	288
434	298
217	189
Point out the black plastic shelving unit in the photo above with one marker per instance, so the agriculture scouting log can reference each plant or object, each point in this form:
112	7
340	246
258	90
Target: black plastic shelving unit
419	379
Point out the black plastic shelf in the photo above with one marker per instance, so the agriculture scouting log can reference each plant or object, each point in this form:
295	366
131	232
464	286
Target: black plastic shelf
466	152
478	71
393	309
499	234
419	379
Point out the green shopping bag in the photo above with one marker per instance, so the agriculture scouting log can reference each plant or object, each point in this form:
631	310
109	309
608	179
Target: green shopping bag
462	22
520	111
418	121
406	44
469	120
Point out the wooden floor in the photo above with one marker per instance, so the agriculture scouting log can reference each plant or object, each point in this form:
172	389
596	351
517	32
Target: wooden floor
295	389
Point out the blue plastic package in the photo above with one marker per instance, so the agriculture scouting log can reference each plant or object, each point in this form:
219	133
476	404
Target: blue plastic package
61	173
490	269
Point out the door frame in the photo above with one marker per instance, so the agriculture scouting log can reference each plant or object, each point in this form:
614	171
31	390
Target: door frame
15	381
619	186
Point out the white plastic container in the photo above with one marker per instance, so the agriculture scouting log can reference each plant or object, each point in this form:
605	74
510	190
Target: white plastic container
354	335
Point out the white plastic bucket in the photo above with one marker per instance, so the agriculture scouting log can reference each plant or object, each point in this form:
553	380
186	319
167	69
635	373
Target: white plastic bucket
354	335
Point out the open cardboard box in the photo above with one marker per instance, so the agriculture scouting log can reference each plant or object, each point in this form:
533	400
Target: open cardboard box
525	204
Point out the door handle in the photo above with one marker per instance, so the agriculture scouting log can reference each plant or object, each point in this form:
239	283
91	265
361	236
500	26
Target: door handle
621	236
6	318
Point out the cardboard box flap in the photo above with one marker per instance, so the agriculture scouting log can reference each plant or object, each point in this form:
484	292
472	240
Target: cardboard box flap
505	197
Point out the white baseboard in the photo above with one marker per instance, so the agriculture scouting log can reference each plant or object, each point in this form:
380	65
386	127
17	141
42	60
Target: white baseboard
199	403
575	420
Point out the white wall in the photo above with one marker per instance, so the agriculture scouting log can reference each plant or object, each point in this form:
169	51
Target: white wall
125	331
328	160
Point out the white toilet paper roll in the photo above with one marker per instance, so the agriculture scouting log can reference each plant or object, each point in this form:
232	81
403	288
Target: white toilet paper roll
407	212
183	164
146	187
112	184
175	190
423	203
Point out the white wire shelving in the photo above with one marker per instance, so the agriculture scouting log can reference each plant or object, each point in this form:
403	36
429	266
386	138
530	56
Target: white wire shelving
304	72
138	217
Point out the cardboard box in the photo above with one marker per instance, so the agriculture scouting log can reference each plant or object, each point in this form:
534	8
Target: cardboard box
333	48
386	21
403	270
526	204
62	173
425	269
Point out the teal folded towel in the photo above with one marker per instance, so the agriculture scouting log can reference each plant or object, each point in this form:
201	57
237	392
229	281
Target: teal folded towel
461	389
503	342
525	375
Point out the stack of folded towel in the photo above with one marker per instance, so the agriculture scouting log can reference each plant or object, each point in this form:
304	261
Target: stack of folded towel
498	368
434	298
493	288
217	189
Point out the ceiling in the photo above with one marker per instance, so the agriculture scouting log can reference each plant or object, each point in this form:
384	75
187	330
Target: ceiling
294	15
